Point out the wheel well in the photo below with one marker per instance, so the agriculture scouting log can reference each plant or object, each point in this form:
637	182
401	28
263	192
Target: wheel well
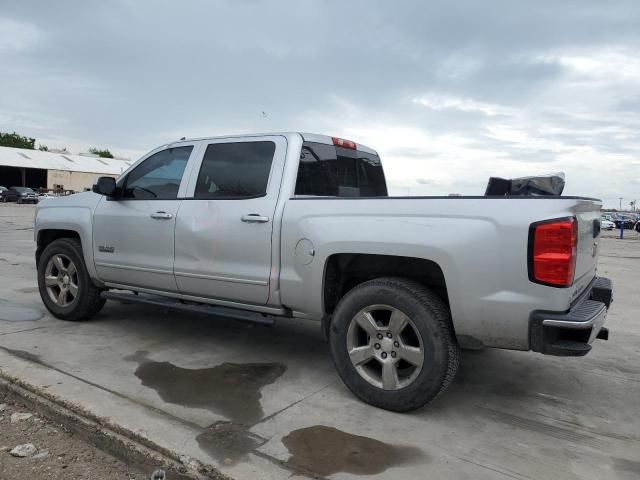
45	237
346	270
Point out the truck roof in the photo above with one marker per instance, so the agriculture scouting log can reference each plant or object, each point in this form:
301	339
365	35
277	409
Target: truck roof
308	137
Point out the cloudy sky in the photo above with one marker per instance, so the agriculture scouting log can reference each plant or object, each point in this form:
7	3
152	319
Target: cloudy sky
448	92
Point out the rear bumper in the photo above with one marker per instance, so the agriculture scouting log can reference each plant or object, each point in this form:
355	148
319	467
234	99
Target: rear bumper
571	333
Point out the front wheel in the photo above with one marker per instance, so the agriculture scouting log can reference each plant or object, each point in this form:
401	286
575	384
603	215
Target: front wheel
393	344
64	283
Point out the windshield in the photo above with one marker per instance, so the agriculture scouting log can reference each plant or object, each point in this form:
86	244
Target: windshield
23	189
330	171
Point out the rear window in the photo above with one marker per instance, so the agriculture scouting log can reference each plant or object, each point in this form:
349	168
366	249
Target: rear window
330	171
235	170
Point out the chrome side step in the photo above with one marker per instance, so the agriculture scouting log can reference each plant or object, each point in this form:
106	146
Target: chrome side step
269	310
173	304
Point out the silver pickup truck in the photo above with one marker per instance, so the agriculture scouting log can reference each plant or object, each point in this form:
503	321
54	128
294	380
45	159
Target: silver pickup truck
299	225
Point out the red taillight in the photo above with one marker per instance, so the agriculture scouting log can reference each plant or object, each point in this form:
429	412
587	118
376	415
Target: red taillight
341	142
552	252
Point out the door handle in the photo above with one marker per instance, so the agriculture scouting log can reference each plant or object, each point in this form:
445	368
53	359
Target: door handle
254	218
161	215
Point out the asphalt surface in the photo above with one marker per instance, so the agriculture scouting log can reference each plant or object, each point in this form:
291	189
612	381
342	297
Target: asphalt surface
262	402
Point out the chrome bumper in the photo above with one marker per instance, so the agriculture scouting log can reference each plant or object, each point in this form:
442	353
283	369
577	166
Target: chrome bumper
571	333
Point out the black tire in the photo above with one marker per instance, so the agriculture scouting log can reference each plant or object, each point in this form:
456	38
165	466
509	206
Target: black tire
88	301
431	320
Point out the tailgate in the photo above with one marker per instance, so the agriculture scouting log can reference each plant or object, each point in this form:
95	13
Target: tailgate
588	215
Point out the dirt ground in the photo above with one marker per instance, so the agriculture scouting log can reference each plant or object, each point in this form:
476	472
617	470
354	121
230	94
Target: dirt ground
64	455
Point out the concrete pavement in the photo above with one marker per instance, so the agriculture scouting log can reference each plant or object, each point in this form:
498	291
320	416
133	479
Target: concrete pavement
261	402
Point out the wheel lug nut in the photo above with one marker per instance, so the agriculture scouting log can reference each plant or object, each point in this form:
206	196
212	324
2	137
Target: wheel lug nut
379	336
384	354
377	346
393	354
396	344
389	334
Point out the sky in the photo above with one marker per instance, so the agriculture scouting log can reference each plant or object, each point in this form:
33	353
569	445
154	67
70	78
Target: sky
449	93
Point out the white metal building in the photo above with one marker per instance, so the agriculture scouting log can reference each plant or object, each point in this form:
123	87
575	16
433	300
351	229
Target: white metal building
55	171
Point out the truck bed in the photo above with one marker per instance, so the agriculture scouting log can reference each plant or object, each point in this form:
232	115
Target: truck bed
480	243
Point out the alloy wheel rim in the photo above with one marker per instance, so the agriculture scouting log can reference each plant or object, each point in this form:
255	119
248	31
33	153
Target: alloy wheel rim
61	280
385	347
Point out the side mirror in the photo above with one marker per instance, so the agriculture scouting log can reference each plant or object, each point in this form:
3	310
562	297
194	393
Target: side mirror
105	186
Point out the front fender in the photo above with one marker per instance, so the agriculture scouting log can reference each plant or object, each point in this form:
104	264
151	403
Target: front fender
74	214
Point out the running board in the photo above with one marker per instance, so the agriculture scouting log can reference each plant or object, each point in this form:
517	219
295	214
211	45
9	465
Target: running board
173	304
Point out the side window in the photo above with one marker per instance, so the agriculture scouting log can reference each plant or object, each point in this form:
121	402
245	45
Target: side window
159	176
235	170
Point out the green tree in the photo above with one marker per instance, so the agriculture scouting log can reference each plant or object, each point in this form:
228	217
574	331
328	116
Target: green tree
17	141
104	153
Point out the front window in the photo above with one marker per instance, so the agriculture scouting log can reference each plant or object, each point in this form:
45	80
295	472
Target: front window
159	176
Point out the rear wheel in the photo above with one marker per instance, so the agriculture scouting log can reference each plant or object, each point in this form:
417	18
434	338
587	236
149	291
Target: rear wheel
393	344
64	283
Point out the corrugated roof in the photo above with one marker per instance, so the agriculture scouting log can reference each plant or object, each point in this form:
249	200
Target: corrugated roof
20	157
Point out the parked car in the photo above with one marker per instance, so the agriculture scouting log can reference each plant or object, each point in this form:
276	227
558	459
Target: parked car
628	222
19	195
607	224
45	195
303	228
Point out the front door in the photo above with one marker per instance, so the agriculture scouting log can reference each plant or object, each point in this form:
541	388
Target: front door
223	234
133	234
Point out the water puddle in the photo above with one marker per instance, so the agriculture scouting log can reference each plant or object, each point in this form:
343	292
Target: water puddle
228	389
228	442
16	313
326	450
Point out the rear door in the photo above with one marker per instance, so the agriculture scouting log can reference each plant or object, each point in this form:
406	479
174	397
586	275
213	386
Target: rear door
224	231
